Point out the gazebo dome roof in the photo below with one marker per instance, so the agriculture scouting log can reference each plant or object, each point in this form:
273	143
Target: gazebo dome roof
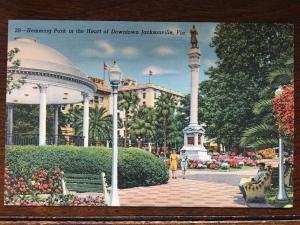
40	66
39	56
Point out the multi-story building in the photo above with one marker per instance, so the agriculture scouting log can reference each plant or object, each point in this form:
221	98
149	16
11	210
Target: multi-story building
148	94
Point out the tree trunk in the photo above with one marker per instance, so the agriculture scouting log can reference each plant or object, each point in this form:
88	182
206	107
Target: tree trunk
126	129
165	136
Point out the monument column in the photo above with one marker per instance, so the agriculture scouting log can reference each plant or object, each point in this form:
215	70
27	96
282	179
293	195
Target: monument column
194	87
195	149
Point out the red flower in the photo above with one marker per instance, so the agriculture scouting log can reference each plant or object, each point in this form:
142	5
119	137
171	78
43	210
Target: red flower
283	108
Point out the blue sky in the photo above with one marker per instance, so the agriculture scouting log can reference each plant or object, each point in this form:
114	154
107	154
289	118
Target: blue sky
165	55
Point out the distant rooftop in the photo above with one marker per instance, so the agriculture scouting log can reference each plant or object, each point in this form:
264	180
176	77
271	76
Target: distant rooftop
130	84
151	85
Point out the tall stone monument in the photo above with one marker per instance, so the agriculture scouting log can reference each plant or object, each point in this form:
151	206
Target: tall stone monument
194	133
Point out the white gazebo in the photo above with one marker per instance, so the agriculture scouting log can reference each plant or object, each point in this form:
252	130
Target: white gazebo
50	78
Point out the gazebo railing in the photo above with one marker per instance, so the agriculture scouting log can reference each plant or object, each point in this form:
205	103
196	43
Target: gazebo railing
31	139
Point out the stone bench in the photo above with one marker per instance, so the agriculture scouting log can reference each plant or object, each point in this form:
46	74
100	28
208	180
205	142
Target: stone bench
255	191
287	176
73	183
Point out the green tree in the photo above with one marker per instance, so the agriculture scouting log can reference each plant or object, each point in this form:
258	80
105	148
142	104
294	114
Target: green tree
246	55
144	123
29	127
165	108
127	101
13	82
100	123
265	133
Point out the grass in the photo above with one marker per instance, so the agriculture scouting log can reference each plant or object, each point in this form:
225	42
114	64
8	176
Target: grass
271	197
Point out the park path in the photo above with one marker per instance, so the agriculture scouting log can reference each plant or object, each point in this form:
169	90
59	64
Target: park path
199	189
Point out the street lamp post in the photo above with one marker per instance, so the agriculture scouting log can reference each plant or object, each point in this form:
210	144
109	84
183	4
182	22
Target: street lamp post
115	76
139	140
282	195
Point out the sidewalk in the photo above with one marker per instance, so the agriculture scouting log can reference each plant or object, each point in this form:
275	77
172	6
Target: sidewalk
199	189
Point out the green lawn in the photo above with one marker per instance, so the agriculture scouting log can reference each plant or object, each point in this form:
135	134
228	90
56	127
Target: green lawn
271	196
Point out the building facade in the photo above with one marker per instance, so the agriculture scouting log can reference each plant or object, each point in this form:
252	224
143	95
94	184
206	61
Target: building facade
148	94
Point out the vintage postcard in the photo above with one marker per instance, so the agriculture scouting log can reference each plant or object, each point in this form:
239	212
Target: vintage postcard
160	114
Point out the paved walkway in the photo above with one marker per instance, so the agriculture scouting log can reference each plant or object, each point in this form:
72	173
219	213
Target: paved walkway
199	189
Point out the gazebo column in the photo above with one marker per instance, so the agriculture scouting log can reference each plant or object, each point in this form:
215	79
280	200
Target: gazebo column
43	114
85	119
55	124
10	123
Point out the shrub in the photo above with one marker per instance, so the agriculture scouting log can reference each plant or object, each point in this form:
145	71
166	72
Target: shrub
136	167
267	153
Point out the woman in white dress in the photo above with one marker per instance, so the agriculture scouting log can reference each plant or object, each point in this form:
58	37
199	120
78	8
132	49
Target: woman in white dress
183	163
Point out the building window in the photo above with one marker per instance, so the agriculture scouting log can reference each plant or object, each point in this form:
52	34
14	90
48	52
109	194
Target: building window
144	95
144	103
98	99
118	115
63	107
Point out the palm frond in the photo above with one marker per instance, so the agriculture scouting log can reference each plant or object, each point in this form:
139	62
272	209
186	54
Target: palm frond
255	134
264	105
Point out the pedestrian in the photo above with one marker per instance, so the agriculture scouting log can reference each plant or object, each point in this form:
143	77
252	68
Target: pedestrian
173	163
183	162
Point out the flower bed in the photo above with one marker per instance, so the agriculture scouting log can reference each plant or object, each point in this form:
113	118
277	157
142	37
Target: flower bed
225	161
41	189
267	153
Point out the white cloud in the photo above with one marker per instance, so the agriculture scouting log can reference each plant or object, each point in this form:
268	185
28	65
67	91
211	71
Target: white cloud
156	71
130	51
164	51
104	49
105	46
209	62
91	52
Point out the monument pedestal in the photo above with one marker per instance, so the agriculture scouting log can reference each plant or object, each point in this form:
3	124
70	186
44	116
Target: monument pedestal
193	143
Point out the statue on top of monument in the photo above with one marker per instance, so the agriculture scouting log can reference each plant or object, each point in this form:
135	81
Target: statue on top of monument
194	40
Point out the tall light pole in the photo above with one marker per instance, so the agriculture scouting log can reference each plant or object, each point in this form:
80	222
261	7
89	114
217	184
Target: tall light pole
139	140
282	195
115	77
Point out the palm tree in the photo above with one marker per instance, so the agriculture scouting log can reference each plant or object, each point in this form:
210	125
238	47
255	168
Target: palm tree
127	101
265	134
165	107
100	124
143	124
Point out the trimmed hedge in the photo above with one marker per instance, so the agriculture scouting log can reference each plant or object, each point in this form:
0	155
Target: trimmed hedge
135	168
